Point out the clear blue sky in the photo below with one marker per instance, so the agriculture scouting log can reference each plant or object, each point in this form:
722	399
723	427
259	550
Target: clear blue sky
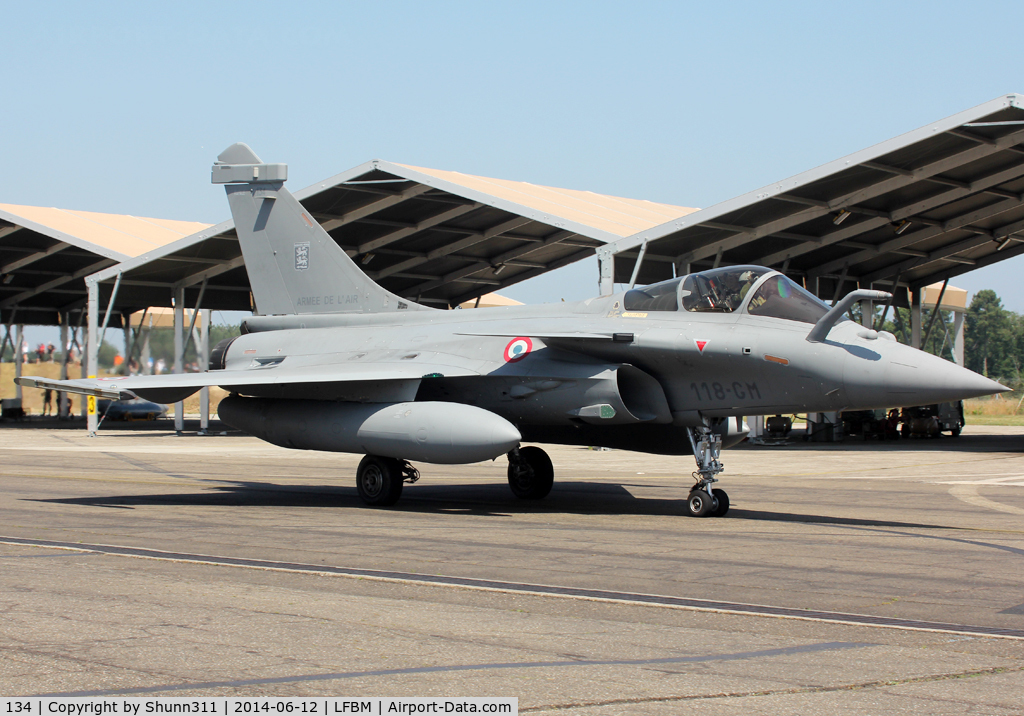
121	107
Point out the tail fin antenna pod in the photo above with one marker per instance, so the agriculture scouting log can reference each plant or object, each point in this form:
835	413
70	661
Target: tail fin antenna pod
294	266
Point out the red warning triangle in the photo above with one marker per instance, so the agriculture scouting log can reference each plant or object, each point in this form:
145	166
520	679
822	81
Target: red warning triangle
700	345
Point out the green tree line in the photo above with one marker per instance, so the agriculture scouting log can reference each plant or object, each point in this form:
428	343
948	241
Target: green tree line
161	343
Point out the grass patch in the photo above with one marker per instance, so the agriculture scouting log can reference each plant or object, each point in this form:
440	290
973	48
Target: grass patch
1013	420
1005	409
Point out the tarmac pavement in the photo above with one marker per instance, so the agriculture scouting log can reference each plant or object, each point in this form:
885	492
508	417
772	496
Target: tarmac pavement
246	577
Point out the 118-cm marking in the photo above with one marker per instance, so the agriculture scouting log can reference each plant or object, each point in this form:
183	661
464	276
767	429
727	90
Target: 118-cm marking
717	391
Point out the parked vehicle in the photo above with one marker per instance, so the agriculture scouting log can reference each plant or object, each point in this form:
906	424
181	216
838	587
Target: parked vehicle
134	409
933	420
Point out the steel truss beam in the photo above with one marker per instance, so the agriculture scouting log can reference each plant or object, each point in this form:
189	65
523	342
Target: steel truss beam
427	223
950	272
948	252
374	206
165	284
44	287
32	258
912	237
70	291
579	241
565	261
448	249
937	179
907	212
852	198
491	263
209	273
441	198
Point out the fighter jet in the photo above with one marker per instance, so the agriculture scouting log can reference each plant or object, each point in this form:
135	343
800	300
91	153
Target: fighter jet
335	362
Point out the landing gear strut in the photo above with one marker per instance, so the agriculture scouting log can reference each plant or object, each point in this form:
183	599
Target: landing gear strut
530	473
703	500
380	479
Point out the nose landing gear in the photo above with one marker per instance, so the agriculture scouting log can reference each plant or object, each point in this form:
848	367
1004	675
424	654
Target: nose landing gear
705	501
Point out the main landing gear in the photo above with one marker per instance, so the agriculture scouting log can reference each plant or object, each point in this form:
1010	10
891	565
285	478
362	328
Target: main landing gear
380	479
530	473
705	501
531	476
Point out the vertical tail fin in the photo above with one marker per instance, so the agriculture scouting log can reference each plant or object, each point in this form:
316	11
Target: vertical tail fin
294	266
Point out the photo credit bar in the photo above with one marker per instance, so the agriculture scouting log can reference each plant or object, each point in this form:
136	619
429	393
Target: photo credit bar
107	703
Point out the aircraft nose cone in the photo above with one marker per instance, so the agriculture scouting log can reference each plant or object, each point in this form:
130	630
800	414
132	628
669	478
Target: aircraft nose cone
914	377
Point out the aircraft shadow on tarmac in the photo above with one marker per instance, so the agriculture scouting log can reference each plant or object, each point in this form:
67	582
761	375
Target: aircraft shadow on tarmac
487	499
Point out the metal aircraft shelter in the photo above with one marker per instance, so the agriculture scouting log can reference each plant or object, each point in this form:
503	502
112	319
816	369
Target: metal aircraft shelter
46	252
914	210
436	237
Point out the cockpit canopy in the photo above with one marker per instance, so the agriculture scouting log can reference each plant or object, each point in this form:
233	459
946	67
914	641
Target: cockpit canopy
778	297
726	290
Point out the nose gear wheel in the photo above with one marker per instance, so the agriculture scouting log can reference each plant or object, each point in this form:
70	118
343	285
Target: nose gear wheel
703	500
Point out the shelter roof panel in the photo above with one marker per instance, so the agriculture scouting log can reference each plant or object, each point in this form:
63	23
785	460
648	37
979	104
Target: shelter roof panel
615	215
112	235
427	234
945	195
46	252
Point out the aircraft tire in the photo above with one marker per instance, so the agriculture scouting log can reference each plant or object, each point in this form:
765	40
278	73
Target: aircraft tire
699	503
723	503
379	480
532	477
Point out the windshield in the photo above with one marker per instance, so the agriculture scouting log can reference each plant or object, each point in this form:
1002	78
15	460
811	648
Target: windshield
656	297
721	290
778	297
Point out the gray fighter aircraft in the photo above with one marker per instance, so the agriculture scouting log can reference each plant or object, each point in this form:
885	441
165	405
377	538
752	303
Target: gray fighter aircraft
335	362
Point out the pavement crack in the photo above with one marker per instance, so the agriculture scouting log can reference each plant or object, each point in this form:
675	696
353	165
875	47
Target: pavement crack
881	683
142	465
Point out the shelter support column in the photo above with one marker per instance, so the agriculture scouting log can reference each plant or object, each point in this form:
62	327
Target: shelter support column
179	345
204	365
62	400
83	360
144	355
958	337
606	272
126	323
19	356
92	349
83	371
915	318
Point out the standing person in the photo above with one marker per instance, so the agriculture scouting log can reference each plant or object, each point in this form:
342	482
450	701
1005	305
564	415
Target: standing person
47	401
49	352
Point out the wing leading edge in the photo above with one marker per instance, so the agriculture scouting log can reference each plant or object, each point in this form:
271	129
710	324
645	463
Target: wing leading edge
172	388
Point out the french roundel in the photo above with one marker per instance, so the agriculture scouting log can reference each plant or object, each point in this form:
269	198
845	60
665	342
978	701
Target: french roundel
517	349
